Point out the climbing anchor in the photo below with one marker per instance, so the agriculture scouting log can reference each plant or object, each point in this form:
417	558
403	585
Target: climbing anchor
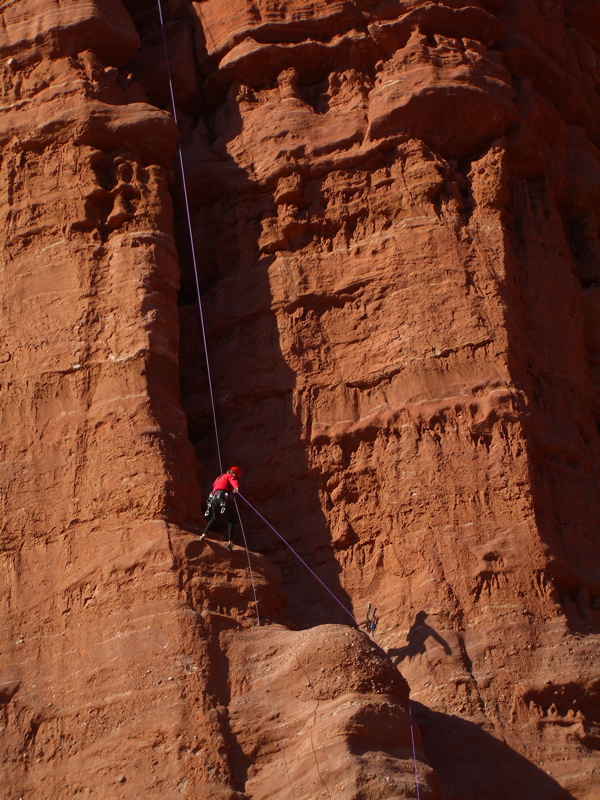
372	620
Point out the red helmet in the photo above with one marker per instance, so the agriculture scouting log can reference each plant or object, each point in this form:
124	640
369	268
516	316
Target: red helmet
236	471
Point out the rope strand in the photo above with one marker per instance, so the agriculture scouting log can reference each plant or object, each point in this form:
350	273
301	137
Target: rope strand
299	557
412	738
266	521
210	384
216	431
191	234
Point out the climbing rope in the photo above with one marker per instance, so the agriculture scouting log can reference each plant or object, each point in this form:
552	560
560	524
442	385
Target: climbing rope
370	625
264	650
412	738
371	621
299	557
191	233
210	383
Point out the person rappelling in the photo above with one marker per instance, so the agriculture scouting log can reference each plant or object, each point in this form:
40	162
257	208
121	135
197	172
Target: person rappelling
220	501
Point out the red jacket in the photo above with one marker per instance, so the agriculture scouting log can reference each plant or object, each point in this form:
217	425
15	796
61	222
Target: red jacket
226	483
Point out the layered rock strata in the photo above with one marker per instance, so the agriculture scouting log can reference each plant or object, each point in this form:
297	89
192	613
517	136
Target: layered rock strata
395	209
395	214
129	668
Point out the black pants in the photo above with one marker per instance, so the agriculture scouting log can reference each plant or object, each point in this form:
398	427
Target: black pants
215	514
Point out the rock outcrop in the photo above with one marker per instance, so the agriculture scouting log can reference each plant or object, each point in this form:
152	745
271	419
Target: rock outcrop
395	210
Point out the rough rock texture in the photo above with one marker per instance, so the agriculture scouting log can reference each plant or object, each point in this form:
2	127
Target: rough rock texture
114	681
396	209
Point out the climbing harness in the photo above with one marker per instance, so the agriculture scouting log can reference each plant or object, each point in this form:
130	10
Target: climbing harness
221	498
371	617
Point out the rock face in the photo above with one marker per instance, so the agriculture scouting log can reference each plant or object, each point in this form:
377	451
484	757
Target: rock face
123	667
395	209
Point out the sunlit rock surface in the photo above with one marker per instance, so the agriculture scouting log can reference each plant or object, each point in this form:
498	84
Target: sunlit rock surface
395	211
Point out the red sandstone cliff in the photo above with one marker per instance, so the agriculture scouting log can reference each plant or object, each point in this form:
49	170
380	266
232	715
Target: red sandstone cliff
395	209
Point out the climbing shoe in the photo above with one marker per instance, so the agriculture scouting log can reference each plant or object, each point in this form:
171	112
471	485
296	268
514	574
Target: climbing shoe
229	546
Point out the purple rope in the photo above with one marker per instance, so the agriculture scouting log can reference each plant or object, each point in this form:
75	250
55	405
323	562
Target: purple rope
212	399
190	231
412	737
299	557
412	733
210	385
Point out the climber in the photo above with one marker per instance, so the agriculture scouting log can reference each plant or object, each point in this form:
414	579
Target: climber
220	502
372	620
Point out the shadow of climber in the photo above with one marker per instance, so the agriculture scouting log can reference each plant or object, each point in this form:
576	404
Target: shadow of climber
418	634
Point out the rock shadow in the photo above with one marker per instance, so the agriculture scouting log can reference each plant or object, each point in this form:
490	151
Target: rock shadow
552	363
471	764
416	638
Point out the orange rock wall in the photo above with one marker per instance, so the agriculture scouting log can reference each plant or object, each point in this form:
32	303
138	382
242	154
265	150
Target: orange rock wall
119	674
395	213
